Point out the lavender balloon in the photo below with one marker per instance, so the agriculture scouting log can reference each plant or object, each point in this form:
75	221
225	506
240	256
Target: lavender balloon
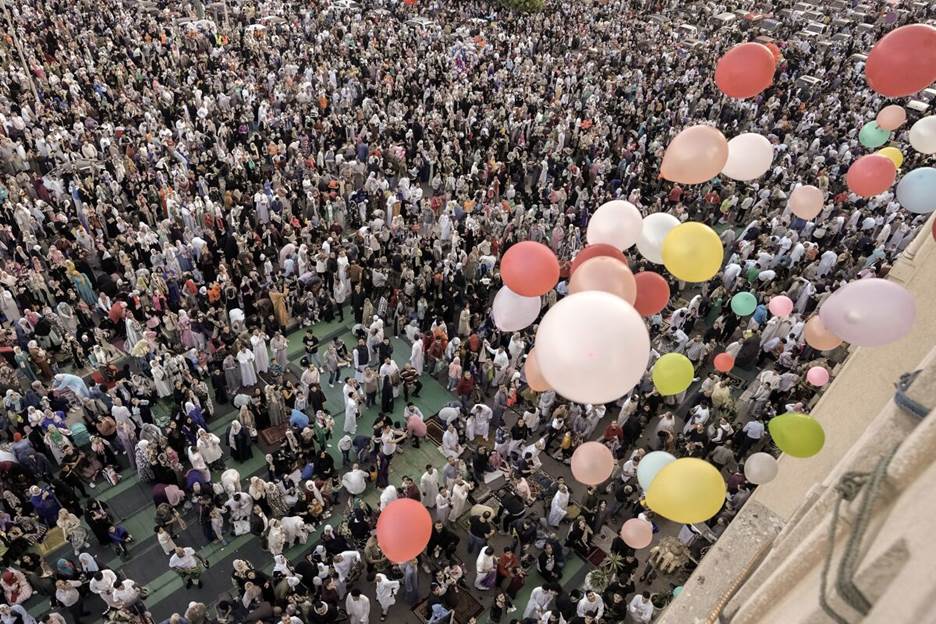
869	312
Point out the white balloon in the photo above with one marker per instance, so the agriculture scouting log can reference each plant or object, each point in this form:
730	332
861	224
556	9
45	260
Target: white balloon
592	347
749	157
923	135
513	312
655	228
616	223
760	468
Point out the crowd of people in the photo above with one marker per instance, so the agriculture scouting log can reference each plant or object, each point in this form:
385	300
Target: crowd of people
184	187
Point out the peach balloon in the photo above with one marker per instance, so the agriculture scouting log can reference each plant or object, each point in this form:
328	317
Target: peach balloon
695	155
891	117
592	463
534	377
806	202
403	530
637	533
818	337
607	274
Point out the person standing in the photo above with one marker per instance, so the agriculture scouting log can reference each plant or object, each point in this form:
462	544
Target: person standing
357	607
188	565
67	595
640	608
386	594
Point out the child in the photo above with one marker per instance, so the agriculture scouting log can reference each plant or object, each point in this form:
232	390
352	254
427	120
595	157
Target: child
217	526
120	539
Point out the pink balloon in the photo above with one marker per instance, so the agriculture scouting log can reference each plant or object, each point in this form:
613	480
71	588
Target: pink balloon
416	426
607	274
403	530
637	533
806	202
871	175
817	376
869	312
695	155
891	117
592	463
781	305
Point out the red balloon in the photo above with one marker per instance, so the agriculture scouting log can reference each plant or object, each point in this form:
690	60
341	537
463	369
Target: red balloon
745	70
871	175
652	293
775	50
593	251
903	62
724	362
530	269
403	530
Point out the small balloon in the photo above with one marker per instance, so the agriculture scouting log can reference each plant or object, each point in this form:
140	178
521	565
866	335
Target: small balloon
869	312
616	223
749	157
672	374
693	252
806	202
818	336
872	135
817	376
745	70
529	269
403	530
512	312
606	274
688	491
781	305
651	464
594	251
723	362
760	468
916	191
695	155
923	135
744	303
893	154
592	463
871	175
891	117
655	228
679	589
775	50
637	533
903	62
533	374
797	434
652	293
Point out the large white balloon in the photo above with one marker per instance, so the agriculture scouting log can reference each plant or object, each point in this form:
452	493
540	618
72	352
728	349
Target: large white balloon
592	347
923	135
513	312
616	223
749	157
760	468
655	228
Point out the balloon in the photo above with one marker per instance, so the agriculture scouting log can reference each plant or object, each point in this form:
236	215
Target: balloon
592	463
903	62
871	175
760	468
672	373
655	228
592	347
873	136
678	590
689	490
652	293
695	155
637	533
512	312
893	154
923	135
533	374
403	530
693	252
605	274
416	426
724	362
594	251
616	223
817	376
530	269
797	434
749	157
806	202
869	312
781	305
916	191
651	464
744	304
775	50
891	117
818	337
745	70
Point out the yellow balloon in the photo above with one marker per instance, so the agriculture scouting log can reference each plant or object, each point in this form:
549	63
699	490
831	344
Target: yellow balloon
687	490
672	374
692	252
893	154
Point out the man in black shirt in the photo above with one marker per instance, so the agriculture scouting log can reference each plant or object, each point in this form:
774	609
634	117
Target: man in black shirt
480	530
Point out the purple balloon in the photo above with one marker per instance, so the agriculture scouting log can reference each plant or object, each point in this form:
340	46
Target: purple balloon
869	312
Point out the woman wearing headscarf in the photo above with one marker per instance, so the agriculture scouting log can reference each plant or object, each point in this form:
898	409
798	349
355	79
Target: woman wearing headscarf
16	588
239	442
74	532
144	458
45	505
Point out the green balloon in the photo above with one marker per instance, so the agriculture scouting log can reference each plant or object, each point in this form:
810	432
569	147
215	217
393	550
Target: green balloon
873	136
672	374
752	274
677	591
744	304
797	434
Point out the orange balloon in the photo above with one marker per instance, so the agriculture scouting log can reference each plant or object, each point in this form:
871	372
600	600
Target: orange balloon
594	251
871	175
745	70
534	377
724	362
607	274
818	337
652	293
775	50
903	62
403	530
592	463
695	155
530	269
